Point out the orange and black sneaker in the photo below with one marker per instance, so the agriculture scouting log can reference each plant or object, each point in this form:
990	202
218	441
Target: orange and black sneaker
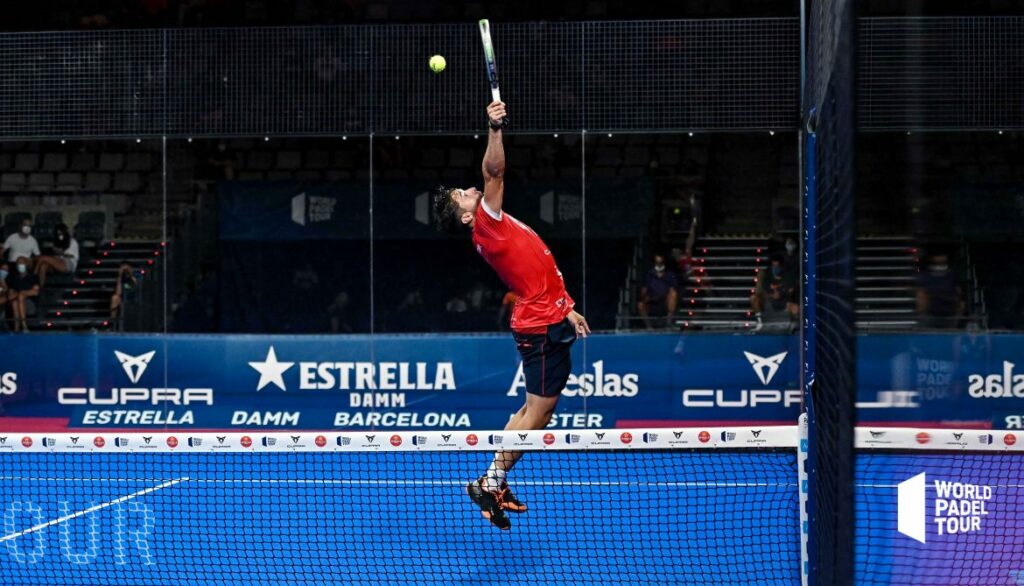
508	501
489	503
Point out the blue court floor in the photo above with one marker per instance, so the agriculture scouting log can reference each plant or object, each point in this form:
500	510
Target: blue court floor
401	518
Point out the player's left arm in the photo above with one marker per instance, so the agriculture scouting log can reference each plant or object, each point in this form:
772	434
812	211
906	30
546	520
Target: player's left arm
494	159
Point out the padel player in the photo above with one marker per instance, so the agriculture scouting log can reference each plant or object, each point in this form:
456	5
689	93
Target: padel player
543	322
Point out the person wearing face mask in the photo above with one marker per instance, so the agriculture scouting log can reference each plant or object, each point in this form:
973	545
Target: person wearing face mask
774	299
939	298
21	244
22	285
65	258
659	293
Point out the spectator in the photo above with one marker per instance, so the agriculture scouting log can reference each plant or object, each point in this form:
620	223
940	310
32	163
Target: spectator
659	293
939	299
21	244
221	163
774	300
23	285
790	254
65	258
124	288
508	302
338	313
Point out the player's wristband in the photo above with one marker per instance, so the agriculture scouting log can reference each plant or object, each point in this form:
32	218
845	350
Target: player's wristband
498	126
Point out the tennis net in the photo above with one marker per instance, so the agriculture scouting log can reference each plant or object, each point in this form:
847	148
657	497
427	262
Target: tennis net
664	506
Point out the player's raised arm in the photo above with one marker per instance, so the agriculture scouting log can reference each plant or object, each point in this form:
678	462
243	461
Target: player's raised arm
494	158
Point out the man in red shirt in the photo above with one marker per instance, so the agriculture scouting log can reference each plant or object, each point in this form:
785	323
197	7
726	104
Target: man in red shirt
543	323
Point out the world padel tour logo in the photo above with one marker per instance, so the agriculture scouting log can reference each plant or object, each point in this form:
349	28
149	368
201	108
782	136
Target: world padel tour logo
958	507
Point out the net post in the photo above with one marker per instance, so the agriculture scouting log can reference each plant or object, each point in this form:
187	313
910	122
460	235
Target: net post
828	327
801	463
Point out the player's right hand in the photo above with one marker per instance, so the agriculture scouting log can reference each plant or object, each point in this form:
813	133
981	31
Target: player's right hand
496	112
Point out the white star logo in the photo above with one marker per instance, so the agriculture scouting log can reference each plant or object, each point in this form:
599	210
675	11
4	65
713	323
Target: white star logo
765	368
271	371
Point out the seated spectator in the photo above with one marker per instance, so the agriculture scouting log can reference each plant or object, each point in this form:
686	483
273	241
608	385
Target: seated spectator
124	288
22	286
774	301
21	244
338	313
939	299
659	293
508	303
65	257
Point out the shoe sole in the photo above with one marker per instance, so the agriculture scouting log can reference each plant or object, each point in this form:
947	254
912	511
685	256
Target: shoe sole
486	514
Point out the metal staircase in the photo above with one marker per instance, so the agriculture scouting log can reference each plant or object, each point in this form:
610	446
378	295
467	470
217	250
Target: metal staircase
717	295
82	301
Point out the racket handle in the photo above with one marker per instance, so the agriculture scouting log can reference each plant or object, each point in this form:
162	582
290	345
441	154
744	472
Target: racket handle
495	94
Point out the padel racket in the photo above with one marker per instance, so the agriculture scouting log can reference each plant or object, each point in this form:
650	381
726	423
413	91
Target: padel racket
492	66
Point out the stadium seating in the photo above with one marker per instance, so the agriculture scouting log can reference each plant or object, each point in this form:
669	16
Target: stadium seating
725	275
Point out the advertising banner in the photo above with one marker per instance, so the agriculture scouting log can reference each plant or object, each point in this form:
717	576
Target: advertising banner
476	382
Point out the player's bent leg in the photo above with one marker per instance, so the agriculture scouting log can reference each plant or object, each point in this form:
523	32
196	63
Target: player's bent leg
536	414
547	363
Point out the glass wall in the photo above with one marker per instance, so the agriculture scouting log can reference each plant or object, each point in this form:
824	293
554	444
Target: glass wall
337	235
90	221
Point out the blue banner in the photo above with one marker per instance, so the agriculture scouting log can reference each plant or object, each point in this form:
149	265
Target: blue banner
287	210
290	210
476	382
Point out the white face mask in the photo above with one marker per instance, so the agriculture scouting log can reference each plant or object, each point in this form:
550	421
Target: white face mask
26	230
659	268
790	247
22	269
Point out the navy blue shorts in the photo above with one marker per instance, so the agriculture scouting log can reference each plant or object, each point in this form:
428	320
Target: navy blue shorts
547	360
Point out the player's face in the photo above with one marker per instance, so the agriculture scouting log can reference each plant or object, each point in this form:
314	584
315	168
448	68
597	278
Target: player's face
467	199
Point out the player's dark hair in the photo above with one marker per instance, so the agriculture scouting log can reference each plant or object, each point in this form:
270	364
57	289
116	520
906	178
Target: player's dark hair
446	211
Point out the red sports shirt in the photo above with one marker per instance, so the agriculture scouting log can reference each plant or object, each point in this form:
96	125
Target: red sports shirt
526	265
